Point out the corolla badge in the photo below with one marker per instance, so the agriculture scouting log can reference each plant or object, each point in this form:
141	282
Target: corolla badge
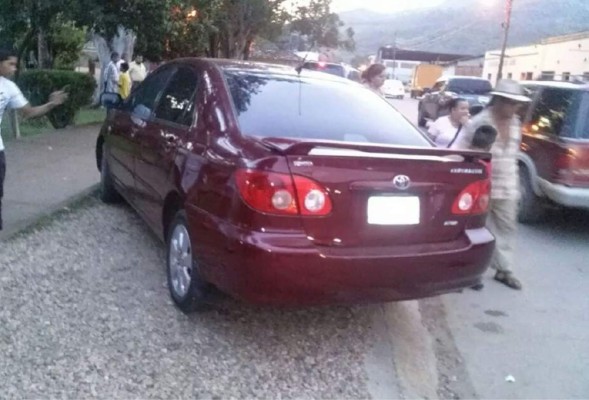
402	182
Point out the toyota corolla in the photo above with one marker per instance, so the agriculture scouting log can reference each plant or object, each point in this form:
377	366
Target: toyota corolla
292	187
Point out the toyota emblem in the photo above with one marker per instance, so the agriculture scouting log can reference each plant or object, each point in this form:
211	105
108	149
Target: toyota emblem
402	182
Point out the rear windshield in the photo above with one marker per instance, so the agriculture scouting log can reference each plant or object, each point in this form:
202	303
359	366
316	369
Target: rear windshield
562	112
332	69
311	108
469	86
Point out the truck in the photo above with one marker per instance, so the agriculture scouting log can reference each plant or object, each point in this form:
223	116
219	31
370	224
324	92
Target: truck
424	77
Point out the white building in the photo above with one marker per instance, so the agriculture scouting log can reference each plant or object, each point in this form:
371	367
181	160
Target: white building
472	66
556	58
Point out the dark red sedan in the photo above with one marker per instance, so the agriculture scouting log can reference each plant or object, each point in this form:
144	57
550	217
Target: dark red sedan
292	187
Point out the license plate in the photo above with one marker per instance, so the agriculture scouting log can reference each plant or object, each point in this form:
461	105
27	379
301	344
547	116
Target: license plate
393	210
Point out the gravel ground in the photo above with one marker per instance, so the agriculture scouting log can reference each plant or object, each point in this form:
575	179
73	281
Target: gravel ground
86	314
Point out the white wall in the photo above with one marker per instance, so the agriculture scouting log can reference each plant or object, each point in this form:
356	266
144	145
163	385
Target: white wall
553	55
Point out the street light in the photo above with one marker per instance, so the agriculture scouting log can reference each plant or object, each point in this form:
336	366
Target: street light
506	24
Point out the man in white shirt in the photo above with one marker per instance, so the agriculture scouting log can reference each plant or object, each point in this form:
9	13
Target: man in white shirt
12	98
111	74
137	70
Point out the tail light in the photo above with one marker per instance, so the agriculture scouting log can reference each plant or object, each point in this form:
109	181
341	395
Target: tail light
281	194
474	199
562	166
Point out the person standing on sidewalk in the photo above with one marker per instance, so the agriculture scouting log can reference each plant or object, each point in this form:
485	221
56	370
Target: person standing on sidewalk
374	78
12	98
501	114
111	74
124	81
137	71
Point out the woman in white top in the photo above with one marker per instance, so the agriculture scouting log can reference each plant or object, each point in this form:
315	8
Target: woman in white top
374	78
445	129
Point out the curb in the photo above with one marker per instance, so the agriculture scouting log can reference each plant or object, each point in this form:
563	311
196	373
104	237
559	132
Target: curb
10	232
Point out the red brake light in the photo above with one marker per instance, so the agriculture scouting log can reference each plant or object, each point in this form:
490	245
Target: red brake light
281	194
474	199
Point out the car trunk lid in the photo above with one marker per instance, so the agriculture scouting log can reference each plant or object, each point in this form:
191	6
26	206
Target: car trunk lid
384	195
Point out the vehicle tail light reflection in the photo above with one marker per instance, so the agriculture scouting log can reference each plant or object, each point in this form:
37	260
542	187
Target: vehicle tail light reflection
282	194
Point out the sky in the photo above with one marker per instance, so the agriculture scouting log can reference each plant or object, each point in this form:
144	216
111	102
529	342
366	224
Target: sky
384	6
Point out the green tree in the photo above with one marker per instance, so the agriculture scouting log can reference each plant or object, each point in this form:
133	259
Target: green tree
239	22
30	21
66	42
322	27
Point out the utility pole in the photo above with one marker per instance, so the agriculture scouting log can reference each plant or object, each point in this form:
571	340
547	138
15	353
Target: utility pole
395	56
506	25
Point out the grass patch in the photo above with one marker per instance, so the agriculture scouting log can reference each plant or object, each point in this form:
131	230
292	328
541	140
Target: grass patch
37	126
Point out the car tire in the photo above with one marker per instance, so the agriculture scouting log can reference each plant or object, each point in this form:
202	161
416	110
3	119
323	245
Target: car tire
108	192
188	290
530	207
421	121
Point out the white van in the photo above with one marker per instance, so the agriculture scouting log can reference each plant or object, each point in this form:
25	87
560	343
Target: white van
394	88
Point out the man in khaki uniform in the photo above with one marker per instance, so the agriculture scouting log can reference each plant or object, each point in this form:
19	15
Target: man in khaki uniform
501	114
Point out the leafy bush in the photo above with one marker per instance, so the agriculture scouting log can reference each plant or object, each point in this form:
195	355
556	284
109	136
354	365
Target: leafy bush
37	85
66	42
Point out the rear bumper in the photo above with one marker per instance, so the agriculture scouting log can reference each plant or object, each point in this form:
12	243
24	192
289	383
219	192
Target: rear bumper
290	270
564	195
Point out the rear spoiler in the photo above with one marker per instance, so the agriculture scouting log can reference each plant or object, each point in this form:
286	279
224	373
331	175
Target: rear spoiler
334	148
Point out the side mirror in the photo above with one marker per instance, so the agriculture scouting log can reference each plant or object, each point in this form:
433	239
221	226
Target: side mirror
111	100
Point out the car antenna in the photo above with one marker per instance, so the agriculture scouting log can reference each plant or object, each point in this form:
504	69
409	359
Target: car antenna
299	68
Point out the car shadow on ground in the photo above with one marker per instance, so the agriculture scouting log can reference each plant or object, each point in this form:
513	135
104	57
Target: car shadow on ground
573	223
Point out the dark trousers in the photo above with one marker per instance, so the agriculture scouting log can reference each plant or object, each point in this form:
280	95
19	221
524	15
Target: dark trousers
2	175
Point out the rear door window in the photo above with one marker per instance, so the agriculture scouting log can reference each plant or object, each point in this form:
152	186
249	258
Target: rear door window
311	108
177	101
469	86
142	101
557	111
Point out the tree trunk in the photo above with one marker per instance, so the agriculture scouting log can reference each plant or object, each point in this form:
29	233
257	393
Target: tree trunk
248	48
43	50
123	42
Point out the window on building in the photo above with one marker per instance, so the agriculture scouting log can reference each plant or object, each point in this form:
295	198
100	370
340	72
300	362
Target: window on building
547	75
529	76
509	75
522	76
566	76
490	76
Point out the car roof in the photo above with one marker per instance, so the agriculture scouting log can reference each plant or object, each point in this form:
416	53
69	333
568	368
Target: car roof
556	84
449	78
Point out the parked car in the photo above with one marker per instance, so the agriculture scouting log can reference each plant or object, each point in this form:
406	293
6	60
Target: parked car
279	187
554	159
337	69
394	88
434	103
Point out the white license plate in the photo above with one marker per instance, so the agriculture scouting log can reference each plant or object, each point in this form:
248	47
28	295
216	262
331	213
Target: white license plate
392	210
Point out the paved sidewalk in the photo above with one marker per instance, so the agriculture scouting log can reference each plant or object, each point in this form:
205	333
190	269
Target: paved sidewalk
46	172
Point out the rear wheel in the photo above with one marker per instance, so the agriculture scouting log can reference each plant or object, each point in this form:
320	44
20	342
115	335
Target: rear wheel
188	290
530	207
108	192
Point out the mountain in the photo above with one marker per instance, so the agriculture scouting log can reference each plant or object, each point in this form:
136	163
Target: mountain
466	26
